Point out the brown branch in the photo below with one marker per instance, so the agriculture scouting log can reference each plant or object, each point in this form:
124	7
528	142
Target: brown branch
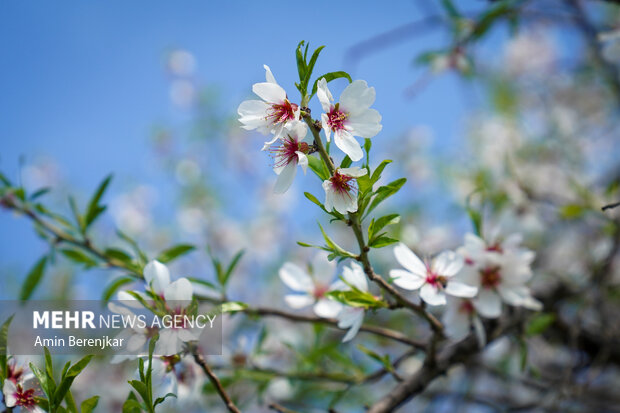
200	360
611	206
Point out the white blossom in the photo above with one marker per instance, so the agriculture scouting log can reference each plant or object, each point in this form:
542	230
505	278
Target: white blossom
350	117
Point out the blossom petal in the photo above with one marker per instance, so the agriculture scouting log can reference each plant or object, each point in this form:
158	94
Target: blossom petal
459	289
357	96
285	179
409	260
322	268
327	308
269	92
447	264
324	95
180	290
354	171
366	124
355	276
157	276
269	75
432	295
9	390
252	115
346	143
296	278
329	195
488	303
298	301
406	280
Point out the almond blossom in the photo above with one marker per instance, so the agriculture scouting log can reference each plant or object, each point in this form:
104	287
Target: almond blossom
272	113
434	278
459	317
350	117
500	270
289	154
19	390
175	295
313	288
352	317
340	191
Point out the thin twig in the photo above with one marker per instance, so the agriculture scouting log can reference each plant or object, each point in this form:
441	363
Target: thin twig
200	360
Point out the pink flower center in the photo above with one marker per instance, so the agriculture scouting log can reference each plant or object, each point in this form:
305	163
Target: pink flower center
287	152
336	118
342	183
466	307
490	277
320	291
434	279
25	398
281	113
495	248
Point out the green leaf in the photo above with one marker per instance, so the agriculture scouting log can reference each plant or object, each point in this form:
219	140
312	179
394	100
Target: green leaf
301	65
539	324
175	252
49	367
310	67
94	209
202	282
76	213
89	405
450	8
314	200
385	192
70	402
162	399
141	388
572	211
329	77
132	406
67	380
42	378
33	279
382	241
233	306
79	257
346	162
231	267
376	175
134	245
318	167
119	255
39	193
4	335
336	249
113	287
4	180
379	224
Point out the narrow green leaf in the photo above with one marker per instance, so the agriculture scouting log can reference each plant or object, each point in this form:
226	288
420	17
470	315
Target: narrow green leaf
318	167
382	241
4	335
33	279
329	77
79	257
94	209
113	287
376	175
175	252
346	162
385	192
89	405
231	267
539	324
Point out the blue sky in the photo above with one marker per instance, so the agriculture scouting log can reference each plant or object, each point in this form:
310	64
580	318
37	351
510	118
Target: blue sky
83	82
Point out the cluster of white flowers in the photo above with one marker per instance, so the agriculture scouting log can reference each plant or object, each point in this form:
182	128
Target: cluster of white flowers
276	115
176	295
471	282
